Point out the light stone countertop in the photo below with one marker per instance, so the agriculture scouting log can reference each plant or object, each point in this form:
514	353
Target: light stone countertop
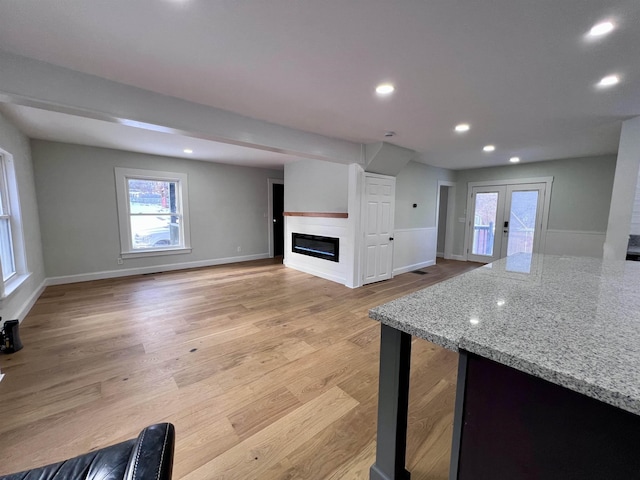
574	321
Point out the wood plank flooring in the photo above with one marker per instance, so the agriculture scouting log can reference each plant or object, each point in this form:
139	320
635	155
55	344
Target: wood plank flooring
266	373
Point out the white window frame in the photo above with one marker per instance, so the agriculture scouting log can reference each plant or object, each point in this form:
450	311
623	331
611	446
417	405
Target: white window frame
122	175
12	211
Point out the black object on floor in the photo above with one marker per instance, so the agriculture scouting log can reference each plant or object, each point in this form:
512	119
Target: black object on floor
419	272
10	337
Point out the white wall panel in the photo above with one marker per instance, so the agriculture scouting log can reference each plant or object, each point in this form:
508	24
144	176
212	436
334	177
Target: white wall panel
576	243
414	248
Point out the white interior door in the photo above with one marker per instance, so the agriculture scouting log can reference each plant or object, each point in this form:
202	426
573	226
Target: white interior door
507	219
380	194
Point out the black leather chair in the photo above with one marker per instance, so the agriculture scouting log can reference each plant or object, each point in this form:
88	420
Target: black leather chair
150	456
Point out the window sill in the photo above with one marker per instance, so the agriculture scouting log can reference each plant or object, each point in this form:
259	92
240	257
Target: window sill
13	284
155	253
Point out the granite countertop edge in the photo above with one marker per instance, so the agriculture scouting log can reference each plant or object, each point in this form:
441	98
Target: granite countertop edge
416	332
557	377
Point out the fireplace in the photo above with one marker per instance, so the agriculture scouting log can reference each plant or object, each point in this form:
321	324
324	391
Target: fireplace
316	246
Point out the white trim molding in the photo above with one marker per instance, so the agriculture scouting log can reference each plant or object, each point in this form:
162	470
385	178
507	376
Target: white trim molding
411	268
127	249
28	304
86	277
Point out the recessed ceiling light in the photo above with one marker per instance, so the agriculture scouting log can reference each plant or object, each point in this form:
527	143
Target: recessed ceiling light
609	81
385	89
489	148
463	127
514	159
474	321
187	150
601	29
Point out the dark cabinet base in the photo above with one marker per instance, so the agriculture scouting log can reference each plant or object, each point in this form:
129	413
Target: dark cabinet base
516	426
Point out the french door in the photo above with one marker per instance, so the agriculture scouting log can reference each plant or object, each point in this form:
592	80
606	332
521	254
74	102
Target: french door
507	219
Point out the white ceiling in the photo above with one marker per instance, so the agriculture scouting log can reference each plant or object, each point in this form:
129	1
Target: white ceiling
519	71
61	127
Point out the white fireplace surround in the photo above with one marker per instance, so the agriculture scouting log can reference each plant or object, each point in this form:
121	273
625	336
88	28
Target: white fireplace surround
326	227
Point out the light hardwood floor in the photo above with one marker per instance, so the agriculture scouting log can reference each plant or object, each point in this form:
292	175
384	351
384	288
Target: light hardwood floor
266	373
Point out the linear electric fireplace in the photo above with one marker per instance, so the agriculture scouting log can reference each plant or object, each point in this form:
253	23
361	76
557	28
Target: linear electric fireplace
316	246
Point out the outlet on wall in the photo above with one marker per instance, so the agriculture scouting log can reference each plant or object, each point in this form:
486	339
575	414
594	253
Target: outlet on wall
120	261
239	248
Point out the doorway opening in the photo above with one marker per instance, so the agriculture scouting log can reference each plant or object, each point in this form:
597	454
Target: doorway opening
445	210
276	217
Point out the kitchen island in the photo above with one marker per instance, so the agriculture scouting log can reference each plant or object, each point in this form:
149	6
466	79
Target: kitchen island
548	375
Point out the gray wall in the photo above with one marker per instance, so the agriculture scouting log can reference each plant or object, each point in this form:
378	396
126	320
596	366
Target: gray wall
77	201
14	142
316	186
418	183
580	196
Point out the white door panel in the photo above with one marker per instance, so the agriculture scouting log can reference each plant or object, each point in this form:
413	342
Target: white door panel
372	218
380	206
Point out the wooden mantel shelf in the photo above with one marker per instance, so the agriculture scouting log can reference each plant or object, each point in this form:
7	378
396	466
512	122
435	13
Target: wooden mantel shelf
317	214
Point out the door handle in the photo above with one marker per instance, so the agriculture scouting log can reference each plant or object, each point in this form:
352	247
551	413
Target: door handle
391	239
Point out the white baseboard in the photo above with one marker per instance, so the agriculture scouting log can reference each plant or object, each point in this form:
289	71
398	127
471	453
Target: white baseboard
86	277
440	254
31	301
460	258
411	268
414	248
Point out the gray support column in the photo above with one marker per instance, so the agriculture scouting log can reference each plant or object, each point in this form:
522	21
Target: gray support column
458	414
393	405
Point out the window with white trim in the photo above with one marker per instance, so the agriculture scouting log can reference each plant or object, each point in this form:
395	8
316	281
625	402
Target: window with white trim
13	261
153	212
7	258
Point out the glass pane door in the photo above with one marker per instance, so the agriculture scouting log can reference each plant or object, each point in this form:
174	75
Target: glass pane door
523	214
484	223
488	210
507	220
522	222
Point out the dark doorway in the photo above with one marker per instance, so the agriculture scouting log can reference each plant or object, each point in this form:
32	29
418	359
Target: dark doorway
278	219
